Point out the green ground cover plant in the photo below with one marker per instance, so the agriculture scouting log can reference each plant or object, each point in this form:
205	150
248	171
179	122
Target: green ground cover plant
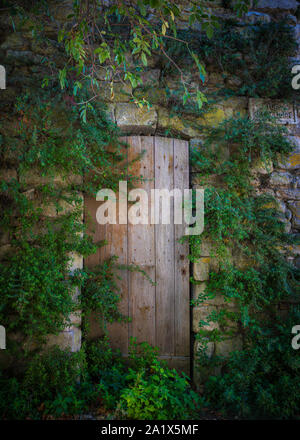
60	384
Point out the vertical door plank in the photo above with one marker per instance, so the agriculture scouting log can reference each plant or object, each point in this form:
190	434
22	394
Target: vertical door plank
141	249
98	232
117	237
164	242
180	363
181	298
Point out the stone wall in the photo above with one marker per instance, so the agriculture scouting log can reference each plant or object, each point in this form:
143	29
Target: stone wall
22	57
71	336
284	184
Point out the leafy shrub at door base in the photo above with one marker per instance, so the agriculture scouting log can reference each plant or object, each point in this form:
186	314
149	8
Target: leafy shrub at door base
158	394
58	383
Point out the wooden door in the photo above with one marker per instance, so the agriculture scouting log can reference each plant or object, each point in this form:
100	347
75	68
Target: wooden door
160	313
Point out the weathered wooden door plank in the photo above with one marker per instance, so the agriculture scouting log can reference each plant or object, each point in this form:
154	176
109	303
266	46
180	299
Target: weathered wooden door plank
164	242
141	249
116	237
181	296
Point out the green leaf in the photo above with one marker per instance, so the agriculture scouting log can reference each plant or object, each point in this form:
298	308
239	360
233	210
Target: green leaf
144	59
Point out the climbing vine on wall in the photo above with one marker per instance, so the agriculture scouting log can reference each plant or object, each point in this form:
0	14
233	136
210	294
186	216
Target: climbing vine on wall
251	60
52	141
253	275
52	159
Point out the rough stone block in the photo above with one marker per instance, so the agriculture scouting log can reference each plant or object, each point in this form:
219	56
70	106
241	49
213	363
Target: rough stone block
110	112
288	214
7	174
254	17
277	4
295	209
206	249
201	182
76	261
157	96
217	300
214	80
288	193
224	348
75	318
5	250
121	92
67	340
280	179
234	82
150	77
4	237
198	289
23	57
65	207
237	104
213	118
297	37
132	119
210	348
49	210
242	261
175	124
196	143
295	249
279	205
284	113
201	270
262	167
201	314
33	178
203	266
292	162
14	41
